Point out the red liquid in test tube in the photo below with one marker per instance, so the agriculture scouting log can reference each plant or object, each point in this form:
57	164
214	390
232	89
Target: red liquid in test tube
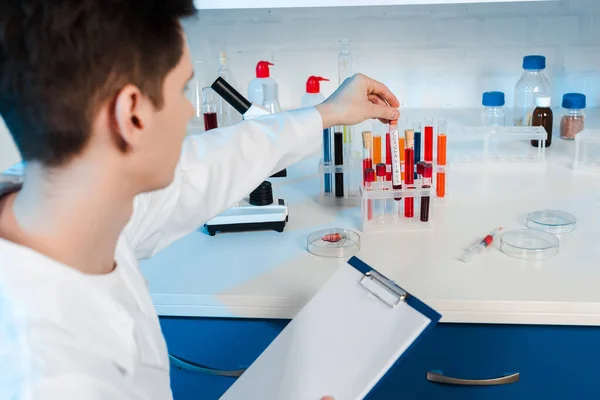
428	154
370	178
367	164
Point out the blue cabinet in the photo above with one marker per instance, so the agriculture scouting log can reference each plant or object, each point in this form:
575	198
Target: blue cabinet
553	362
219	343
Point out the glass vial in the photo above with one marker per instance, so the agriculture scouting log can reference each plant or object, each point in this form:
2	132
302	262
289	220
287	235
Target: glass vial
573	119
209	109
543	116
493	109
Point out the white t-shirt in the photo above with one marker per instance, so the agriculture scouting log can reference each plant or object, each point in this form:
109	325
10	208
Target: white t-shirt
68	335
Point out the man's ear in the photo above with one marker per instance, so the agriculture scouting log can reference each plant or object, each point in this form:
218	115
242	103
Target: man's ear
132	111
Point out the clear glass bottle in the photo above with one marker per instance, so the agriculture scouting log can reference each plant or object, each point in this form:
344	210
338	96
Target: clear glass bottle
573	119
533	84
270	102
493	109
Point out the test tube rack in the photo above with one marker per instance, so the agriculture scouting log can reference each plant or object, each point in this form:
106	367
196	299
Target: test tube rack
500	145
384	209
587	150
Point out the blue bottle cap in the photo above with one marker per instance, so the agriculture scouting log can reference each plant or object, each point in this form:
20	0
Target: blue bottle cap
531	63
575	101
493	99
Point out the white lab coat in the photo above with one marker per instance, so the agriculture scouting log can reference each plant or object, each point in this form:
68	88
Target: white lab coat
62	337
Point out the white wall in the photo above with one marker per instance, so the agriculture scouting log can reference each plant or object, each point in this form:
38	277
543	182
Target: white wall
8	151
431	56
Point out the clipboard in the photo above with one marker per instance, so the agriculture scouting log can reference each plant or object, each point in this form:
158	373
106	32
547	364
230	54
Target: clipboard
341	343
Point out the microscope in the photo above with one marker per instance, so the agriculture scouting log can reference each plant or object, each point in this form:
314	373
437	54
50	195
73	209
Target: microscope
260	210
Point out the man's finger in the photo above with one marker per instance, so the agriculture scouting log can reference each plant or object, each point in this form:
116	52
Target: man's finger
379	89
384	112
373	98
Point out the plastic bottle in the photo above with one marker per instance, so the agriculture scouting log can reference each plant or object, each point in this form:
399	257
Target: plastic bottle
311	98
313	95
270	101
533	83
224	110
573	119
542	116
493	109
263	79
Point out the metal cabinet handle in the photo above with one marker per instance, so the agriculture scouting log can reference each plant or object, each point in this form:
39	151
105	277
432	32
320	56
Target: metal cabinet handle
186	365
438	377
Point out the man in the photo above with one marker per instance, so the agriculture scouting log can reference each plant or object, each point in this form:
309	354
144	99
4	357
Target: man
93	95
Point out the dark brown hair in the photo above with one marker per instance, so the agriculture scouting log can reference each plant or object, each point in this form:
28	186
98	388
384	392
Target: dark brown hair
60	60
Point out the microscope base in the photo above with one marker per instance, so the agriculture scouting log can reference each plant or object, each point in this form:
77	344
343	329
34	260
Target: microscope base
247	217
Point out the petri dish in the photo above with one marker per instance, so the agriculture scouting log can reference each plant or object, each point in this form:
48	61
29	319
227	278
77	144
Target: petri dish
553	221
529	244
333	242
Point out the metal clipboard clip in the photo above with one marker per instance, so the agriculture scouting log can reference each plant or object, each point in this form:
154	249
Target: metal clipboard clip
383	288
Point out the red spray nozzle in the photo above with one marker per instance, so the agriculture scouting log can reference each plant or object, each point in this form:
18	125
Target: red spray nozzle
313	84
262	69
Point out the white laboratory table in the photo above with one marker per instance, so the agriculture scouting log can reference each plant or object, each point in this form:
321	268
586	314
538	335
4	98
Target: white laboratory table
271	275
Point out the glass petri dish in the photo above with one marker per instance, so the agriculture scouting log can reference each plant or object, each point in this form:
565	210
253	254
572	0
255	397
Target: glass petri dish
553	221
333	242
529	244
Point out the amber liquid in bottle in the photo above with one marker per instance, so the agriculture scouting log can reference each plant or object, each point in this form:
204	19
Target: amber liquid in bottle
542	116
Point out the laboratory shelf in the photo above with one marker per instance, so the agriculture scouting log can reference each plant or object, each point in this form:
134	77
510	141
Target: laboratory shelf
552	361
241	4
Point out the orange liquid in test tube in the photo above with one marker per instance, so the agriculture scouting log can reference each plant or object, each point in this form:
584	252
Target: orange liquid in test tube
441	161
376	149
402	147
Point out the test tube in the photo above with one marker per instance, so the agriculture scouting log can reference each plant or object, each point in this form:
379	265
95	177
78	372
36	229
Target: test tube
350	183
428	154
441	161
418	143
420	168
409	162
402	153
338	155
376	149
328	182
388	151
367	137
370	178
396	167
425	200
381	175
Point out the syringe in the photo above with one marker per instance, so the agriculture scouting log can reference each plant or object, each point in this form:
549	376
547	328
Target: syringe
478	248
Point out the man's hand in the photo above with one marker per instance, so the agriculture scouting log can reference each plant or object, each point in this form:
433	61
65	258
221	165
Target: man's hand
359	98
